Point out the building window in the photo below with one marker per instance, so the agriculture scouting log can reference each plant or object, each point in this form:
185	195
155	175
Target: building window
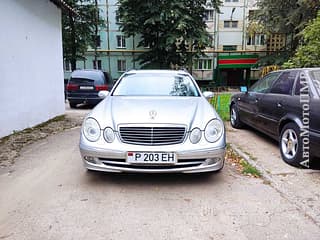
121	41
118	19
96	64
209	15
203	64
252	14
97	40
67	65
230	24
229	47
256	39
122	65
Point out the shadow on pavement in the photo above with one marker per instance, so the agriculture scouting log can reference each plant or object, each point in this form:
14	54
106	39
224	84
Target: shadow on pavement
136	179
261	135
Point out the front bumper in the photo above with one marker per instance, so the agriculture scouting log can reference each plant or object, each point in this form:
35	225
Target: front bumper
189	161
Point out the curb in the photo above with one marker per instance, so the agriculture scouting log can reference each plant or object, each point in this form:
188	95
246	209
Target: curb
290	197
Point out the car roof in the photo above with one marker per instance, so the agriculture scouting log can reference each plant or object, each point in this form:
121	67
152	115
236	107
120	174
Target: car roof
291	69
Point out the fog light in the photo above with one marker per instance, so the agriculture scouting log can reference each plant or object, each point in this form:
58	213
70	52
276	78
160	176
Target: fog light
89	159
210	161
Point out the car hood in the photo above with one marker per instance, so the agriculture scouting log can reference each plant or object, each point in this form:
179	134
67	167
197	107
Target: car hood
189	111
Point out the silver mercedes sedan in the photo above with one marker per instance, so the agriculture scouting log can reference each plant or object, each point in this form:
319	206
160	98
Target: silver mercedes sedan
153	121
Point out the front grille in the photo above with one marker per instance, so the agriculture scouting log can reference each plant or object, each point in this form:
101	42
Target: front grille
153	136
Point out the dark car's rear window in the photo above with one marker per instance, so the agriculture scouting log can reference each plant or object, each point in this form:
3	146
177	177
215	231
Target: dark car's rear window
88	77
81	81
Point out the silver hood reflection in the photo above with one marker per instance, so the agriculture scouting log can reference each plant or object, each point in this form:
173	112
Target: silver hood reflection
189	111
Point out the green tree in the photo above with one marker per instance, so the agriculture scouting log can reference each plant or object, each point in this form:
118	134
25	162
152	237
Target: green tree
80	29
288	17
308	53
174	30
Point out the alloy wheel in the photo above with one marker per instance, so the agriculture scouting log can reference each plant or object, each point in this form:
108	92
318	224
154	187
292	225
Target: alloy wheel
233	117
289	143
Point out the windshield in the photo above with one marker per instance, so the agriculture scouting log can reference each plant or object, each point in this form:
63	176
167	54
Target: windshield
315	77
156	84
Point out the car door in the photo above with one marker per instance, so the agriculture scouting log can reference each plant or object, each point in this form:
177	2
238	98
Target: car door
315	126
275	104
248	104
314	112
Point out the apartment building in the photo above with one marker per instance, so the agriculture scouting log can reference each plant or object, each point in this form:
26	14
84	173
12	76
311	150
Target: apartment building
116	53
232	59
228	61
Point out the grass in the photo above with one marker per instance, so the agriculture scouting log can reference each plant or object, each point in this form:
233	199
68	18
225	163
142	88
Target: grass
241	164
249	169
55	119
32	129
221	103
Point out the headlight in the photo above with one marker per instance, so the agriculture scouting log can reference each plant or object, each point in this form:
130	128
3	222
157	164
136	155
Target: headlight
214	130
108	135
91	129
195	135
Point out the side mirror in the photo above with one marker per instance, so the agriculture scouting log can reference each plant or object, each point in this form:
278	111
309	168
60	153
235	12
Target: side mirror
208	95
243	89
103	94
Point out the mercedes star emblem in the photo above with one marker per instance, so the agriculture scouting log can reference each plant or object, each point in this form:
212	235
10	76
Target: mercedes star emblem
153	114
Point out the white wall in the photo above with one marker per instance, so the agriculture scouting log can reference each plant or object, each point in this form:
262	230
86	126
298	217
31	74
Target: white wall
231	36
31	67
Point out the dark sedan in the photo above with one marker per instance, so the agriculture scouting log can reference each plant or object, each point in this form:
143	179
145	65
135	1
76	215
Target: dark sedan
284	105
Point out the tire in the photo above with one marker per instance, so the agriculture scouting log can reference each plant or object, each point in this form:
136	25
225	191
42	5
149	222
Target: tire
72	104
234	117
290	144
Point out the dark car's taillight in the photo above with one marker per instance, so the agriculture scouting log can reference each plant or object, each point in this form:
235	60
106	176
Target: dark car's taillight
101	87
72	87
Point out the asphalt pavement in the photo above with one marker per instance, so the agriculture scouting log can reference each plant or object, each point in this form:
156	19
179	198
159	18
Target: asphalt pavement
47	194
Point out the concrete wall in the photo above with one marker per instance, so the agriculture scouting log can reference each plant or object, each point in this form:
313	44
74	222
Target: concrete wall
231	36
31	67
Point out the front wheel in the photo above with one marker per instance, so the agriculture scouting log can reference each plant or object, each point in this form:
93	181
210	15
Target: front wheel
234	117
291	145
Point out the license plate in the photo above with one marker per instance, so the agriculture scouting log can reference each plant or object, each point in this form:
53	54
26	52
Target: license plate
151	158
86	87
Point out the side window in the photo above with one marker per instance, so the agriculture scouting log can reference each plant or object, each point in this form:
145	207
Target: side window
302	85
297	87
264	84
285	83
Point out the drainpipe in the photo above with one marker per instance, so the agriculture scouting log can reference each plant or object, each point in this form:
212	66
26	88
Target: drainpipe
243	25
133	47
216	46
108	38
96	16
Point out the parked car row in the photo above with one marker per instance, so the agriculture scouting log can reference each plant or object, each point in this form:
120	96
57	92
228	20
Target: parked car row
284	105
159	121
